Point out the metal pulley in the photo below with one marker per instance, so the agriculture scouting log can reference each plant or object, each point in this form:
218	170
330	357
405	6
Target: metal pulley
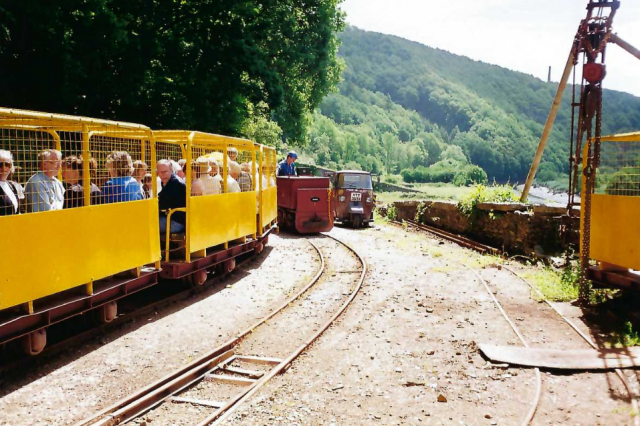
593	72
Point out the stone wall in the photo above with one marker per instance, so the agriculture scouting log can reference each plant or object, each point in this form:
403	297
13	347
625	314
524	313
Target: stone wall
514	228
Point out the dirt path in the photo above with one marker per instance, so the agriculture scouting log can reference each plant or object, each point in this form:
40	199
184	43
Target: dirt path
408	340
411	339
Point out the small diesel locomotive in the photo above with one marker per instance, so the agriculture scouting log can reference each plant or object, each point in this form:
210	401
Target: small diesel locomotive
304	204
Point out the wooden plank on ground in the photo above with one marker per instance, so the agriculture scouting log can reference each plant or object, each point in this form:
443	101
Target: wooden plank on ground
564	359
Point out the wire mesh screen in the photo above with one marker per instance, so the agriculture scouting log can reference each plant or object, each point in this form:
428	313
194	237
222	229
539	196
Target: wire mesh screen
619	170
43	167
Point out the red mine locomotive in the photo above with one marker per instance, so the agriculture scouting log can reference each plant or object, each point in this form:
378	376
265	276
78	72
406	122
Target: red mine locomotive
304	203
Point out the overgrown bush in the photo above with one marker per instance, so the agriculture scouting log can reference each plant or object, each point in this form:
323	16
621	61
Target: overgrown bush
391	179
470	175
485	194
392	212
446	171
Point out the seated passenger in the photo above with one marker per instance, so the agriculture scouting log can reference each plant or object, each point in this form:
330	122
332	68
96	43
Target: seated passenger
243	179
204	184
147	188
72	173
180	168
139	172
232	153
246	169
172	196
122	186
215	172
232	184
9	193
44	191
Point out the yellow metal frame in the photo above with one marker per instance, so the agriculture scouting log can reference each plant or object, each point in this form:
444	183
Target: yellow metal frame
54	251
213	219
268	206
615	224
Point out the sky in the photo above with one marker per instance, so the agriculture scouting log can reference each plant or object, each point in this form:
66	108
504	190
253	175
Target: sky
522	35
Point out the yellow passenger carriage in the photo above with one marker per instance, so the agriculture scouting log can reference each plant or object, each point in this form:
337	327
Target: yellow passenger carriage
104	245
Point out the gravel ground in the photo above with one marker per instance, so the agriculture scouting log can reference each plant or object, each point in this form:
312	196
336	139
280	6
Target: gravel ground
405	351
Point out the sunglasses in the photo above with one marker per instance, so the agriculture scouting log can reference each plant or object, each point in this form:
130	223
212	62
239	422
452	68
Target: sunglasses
6	164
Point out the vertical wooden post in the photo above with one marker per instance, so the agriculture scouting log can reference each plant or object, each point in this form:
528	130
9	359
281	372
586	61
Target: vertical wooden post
548	126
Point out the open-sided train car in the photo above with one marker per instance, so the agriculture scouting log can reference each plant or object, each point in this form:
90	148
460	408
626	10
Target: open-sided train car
304	204
61	262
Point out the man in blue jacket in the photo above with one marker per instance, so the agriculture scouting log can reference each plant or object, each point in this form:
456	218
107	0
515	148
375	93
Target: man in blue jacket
287	167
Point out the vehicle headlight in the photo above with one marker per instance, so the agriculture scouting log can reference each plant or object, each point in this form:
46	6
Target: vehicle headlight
369	199
342	198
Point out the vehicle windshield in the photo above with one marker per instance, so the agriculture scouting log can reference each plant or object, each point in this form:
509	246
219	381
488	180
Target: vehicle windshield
359	181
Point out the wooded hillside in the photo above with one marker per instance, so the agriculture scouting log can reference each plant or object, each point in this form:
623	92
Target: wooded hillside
403	105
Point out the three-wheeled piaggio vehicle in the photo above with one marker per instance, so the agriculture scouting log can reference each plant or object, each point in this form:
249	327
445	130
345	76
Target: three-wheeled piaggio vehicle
352	197
304	203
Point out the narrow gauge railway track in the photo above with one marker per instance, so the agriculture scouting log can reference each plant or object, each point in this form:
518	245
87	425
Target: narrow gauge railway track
482	249
224	365
455	238
19	362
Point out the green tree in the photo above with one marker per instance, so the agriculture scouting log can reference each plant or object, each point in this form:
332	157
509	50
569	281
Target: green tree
172	64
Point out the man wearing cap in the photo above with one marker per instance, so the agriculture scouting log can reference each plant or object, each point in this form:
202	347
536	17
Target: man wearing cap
287	167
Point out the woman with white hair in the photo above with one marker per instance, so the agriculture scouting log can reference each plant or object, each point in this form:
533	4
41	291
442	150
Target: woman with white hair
9	193
205	184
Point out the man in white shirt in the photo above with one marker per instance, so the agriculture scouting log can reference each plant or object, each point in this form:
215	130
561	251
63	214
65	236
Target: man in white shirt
44	191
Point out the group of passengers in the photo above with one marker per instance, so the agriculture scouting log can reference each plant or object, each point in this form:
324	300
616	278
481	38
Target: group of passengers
128	181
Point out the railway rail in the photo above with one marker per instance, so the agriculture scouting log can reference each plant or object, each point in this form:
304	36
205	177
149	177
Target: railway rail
465	242
225	364
455	238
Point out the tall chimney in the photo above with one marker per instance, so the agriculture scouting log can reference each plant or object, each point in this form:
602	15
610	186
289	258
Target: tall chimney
549	76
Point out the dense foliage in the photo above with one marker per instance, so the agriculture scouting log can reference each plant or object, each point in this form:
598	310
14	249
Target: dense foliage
403	105
200	64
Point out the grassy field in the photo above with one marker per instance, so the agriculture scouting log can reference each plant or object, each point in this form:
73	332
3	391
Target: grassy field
428	191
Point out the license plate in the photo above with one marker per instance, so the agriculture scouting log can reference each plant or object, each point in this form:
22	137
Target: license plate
356	196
